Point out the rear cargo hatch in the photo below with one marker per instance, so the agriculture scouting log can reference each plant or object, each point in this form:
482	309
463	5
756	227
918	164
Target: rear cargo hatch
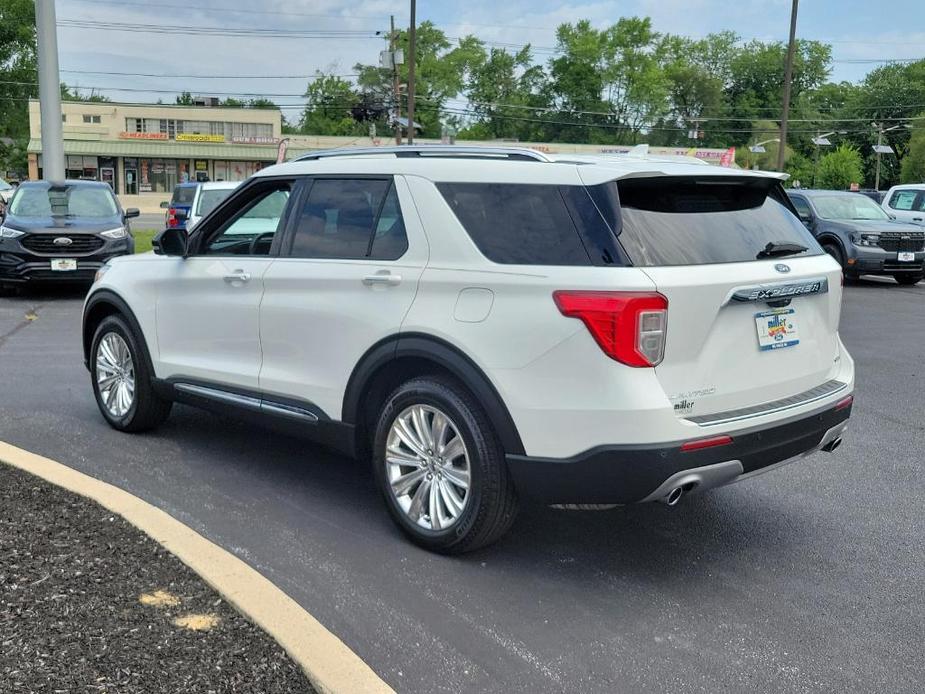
752	318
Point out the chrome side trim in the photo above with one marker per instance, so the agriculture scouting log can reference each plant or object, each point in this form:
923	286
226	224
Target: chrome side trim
221	395
812	395
288	411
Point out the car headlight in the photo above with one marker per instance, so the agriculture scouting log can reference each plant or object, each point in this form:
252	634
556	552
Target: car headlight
117	233
7	233
867	240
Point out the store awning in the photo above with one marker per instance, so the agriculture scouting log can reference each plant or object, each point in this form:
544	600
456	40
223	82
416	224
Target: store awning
166	150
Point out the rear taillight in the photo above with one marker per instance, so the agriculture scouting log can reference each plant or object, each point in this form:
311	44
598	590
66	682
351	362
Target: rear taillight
630	327
172	217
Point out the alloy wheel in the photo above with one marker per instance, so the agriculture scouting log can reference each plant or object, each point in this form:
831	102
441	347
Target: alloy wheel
428	467
115	374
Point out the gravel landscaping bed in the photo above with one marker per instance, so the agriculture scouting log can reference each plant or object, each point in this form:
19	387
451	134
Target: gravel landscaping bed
90	604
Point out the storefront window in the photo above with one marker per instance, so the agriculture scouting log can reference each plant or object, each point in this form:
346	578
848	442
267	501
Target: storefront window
237	170
82	168
159	175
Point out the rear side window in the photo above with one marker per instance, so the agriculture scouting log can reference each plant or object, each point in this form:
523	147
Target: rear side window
802	206
517	223
183	195
684	221
350	219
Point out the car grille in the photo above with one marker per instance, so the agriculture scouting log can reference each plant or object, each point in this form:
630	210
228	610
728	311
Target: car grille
895	241
81	244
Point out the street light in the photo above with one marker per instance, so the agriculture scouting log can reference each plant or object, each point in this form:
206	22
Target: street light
881	148
822	141
758	148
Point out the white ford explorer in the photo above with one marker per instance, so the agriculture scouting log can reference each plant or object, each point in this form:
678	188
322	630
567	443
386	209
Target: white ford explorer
489	324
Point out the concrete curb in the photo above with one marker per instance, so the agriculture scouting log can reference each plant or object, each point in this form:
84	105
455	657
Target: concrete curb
329	664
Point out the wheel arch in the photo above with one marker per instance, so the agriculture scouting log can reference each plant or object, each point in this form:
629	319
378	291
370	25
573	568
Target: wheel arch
99	306
827	237
396	358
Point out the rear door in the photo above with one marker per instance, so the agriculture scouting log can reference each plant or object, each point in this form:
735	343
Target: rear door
745	325
345	279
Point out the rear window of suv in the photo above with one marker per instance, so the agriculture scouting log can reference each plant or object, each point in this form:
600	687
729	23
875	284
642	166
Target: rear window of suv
680	220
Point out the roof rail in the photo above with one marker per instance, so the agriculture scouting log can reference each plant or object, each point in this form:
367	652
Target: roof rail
445	151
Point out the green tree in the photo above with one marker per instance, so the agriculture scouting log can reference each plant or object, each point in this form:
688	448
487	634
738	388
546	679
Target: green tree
913	164
185	99
839	169
328	107
18	77
74	94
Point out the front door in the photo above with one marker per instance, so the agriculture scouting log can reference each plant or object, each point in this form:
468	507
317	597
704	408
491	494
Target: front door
208	305
345	279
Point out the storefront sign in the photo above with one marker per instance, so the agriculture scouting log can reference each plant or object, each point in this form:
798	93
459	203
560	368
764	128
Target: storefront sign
195	137
201	165
256	140
142	136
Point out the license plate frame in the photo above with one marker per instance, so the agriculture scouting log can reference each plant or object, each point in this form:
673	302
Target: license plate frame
777	329
63	264
905	257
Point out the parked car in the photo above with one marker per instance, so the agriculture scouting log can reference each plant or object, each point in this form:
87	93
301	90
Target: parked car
207	197
875	195
906	203
490	324
6	192
62	232
863	238
178	208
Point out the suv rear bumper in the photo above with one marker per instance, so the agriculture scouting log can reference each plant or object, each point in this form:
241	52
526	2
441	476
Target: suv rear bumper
629	474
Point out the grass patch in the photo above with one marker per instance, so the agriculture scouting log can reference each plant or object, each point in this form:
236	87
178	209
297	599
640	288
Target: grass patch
143	239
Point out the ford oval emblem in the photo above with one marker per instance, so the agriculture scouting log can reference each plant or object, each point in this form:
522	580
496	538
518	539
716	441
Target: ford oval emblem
63	241
780	267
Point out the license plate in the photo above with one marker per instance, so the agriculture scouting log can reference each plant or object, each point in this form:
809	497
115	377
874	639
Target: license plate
64	264
906	257
777	329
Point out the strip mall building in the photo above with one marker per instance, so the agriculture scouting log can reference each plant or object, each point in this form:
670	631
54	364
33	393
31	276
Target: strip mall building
144	150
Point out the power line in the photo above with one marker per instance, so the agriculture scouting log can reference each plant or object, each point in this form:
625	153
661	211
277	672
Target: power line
215	77
129	27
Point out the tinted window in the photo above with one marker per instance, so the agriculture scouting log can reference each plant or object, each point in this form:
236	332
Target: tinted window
850	206
252	230
390	241
183	195
516	223
685	221
802	206
339	216
64	201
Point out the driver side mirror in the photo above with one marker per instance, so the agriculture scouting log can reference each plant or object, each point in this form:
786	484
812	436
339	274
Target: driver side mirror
165	204
172	241
807	219
132	212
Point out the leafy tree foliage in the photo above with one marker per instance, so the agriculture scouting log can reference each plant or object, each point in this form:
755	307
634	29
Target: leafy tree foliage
839	169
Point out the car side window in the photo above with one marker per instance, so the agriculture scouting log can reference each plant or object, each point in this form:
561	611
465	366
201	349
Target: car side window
252	228
903	200
802	207
350	219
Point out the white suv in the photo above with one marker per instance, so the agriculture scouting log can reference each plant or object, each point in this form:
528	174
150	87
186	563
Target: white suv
491	324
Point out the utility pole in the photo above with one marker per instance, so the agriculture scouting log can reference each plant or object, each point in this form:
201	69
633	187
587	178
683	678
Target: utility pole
788	77
412	43
395	91
879	143
49	91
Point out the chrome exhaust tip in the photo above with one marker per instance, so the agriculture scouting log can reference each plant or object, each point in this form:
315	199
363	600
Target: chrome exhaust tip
673	497
832	445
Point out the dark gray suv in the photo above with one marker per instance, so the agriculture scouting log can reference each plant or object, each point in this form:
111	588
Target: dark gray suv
863	238
62	232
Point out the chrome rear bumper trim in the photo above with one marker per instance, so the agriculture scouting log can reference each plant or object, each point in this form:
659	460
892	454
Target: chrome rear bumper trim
812	395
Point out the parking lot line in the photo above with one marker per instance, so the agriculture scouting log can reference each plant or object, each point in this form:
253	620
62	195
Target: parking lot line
327	661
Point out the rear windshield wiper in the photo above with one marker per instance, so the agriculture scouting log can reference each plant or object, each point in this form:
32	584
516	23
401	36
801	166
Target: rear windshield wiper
775	249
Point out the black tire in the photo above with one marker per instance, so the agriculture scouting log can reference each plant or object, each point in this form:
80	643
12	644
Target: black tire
491	506
147	409
907	279
833	250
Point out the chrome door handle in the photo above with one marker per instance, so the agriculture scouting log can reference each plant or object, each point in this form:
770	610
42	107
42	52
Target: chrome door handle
237	276
386	278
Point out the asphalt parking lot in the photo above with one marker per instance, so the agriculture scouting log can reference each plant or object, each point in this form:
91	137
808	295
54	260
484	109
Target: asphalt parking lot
809	579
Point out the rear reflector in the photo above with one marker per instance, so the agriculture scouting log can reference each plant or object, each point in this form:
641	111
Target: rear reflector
844	403
630	327
710	442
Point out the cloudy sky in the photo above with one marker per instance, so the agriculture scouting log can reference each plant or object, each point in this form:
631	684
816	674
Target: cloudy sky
332	35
